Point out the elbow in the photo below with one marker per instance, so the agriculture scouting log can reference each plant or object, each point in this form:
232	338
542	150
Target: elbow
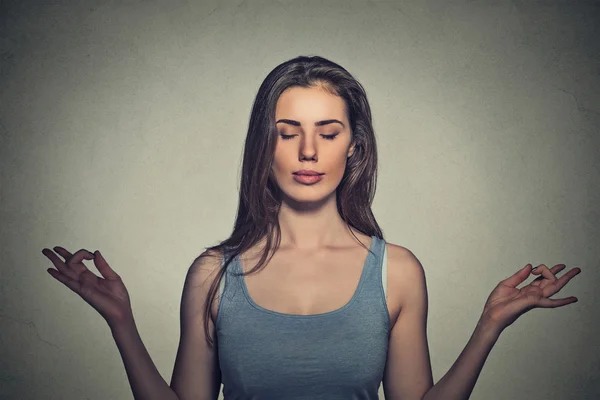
426	395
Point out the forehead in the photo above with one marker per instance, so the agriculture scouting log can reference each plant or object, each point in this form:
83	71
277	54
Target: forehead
309	104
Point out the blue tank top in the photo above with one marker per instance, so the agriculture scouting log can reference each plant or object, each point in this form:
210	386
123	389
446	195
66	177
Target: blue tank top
339	354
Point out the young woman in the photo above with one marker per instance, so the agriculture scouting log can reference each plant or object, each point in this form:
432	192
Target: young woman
305	299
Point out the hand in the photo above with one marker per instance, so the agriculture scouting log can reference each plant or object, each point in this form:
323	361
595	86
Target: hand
108	296
506	303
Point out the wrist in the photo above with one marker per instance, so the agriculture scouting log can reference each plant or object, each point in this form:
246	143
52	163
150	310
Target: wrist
118	326
488	328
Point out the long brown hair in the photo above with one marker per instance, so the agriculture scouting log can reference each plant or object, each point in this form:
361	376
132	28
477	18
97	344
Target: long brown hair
259	195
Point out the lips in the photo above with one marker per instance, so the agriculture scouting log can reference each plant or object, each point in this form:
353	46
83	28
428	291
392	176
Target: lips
307	179
307	172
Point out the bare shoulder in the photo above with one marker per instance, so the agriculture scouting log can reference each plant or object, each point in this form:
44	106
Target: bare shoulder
406	275
200	276
204	268
402	257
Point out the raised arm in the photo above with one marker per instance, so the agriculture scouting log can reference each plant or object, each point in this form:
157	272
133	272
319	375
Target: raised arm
408	373
108	295
196	375
408	369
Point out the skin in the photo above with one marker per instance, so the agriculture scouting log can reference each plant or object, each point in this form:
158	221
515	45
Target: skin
308	216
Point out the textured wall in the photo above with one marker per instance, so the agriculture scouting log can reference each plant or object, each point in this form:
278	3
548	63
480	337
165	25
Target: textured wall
122	125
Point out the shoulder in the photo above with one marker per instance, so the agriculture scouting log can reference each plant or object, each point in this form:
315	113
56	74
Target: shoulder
405	274
402	257
207	261
205	266
198	281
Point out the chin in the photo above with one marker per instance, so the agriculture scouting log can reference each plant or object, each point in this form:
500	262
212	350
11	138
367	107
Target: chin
306	194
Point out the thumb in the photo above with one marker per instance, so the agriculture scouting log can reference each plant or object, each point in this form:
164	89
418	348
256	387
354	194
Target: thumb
518	277
103	267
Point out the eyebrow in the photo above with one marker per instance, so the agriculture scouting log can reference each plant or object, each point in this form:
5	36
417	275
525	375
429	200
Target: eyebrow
318	123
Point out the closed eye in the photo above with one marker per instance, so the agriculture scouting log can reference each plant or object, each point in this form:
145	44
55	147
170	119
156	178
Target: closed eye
327	137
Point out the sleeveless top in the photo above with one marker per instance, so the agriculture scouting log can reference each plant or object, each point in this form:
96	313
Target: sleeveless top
339	354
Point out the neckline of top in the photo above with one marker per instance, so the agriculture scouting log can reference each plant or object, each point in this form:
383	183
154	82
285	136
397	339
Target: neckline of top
238	266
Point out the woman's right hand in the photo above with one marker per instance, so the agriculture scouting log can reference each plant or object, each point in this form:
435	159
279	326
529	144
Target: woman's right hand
108	296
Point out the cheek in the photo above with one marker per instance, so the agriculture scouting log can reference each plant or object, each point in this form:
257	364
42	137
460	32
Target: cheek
278	164
340	163
280	167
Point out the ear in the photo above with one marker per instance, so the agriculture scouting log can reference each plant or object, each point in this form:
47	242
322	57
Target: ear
351	150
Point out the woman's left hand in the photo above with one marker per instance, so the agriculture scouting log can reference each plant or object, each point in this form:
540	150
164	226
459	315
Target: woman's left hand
506	303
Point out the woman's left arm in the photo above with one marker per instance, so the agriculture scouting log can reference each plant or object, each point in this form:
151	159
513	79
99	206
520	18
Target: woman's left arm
504	305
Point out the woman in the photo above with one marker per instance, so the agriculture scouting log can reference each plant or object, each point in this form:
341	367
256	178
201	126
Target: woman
306	298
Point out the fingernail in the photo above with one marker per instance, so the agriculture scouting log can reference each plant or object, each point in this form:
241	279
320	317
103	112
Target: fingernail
533	269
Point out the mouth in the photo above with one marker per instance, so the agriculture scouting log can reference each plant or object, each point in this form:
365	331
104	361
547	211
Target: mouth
308	172
307	179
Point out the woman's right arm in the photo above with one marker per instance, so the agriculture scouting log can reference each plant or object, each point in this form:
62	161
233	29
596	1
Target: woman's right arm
196	374
145	380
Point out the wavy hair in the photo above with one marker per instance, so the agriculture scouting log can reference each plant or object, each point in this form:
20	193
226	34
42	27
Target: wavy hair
259	195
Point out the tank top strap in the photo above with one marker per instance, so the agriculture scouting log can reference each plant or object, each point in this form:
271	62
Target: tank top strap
232	299
372	290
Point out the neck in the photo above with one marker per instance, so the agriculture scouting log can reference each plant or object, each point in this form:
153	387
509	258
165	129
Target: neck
312	226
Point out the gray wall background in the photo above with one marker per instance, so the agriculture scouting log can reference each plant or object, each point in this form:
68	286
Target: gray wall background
122	125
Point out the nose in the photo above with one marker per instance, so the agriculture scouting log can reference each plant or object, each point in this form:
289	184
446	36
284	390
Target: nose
307	148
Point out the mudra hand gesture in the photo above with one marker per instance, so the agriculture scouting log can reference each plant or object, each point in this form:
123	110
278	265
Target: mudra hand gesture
108	296
506	303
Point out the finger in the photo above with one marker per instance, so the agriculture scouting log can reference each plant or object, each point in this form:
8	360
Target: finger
518	277
68	282
104	268
63	252
555	270
79	256
60	265
553	303
546	275
76	261
560	282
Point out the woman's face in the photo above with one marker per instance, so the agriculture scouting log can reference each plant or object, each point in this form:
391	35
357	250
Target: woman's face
313	134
